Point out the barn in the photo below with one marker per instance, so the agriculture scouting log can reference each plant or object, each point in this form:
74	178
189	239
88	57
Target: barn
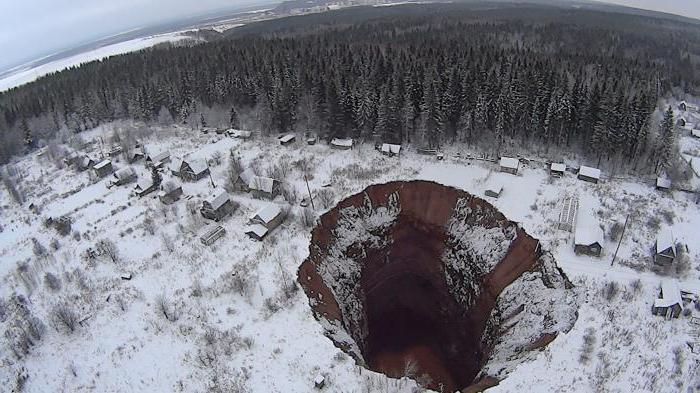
264	187
663	184
665	248
158	160
509	165
589	174
218	205
669	304
145	186
494	188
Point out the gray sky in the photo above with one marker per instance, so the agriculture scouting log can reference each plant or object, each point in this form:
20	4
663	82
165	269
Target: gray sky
30	29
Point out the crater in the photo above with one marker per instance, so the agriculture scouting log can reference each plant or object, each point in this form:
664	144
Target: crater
427	281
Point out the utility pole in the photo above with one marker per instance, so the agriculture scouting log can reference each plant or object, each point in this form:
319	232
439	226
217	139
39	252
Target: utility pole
311	199
210	178
620	242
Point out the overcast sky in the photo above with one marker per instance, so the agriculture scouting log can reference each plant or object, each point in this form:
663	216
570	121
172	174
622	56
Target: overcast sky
30	29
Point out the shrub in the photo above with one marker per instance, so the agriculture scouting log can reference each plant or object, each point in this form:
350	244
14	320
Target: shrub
64	317
589	340
166	308
307	217
52	281
615	231
610	290
325	196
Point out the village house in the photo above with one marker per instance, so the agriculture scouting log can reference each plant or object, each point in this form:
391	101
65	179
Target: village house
494	188
341	144
103	168
264	221
287	139
193	169
669	304
211	233
124	176
557	169
145	186
391	150
264	187
589	174
509	165
567	215
218	205
158	160
663	184
665	248
588	237
170	192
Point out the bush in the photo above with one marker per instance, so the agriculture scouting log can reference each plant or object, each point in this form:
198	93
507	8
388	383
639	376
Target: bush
149	225
52	282
326	197
165	308
64	317
589	340
610	290
307	217
615	231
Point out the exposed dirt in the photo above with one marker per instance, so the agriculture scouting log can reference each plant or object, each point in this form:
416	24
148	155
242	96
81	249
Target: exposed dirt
411	322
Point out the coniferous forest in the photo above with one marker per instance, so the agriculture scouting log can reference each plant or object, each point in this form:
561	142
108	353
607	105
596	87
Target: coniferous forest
499	78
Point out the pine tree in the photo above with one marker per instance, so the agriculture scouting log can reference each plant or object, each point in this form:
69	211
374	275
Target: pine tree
233	118
666	141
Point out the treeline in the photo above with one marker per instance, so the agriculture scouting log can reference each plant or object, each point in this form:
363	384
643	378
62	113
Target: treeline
428	79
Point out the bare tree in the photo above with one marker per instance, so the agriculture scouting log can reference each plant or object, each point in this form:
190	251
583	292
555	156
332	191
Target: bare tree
108	248
165	308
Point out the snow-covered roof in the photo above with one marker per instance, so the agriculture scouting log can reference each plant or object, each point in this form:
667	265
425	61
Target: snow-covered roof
125	173
267	213
261	183
663	183
558	167
695	165
588	232
390	148
670	294
495	186
287	138
198	165
695	133
159	156
102	164
144	183
509	162
665	240
587	171
258	229
342	142
218	198
247	176
176	165
170	186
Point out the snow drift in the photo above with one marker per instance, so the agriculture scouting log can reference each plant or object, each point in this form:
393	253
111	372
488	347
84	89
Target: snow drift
424	280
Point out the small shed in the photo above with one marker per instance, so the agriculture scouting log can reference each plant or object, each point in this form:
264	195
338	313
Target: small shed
170	192
124	176
493	189
341	144
287	139
557	169
73	158
103	168
134	155
158	160
319	381
262	186
240	134
115	151
589	174
663	184
588	237
264	221
665	248
218	205
509	165
311	140
669	304
145	186
391	150
211	233
567	215
193	169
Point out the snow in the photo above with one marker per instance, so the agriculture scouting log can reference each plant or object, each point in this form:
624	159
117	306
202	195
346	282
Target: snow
558	167
587	171
509	162
664	241
28	74
670	294
267	213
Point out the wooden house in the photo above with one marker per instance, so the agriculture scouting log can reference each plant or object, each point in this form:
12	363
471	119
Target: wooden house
287	139
391	150
509	165
124	176
218	205
589	174
158	160
193	169
264	221
145	186
557	169
264	187
103	168
665	248
588	237
341	144
669	304
211	233
170	192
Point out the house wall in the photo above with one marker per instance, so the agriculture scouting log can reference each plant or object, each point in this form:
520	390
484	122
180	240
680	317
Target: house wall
588	179
593	250
661	259
512	171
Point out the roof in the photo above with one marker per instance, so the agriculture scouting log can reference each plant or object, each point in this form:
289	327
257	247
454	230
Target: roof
342	142
176	165
159	156
240	133
509	162
218	197
125	173
170	186
665	240
663	183
144	183
102	164
260	183
589	172
588	232
390	148
494	185
259	230
247	176
558	167
287	138
670	294
198	165
267	213
695	133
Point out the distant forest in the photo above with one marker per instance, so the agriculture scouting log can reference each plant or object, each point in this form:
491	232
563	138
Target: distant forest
502	79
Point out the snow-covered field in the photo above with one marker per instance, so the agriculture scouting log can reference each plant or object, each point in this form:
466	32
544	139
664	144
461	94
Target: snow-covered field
232	327
25	75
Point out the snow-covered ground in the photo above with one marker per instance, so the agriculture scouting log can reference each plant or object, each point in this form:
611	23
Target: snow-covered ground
25	75
236	329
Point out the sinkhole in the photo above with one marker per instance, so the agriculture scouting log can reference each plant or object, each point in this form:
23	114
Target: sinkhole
427	281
